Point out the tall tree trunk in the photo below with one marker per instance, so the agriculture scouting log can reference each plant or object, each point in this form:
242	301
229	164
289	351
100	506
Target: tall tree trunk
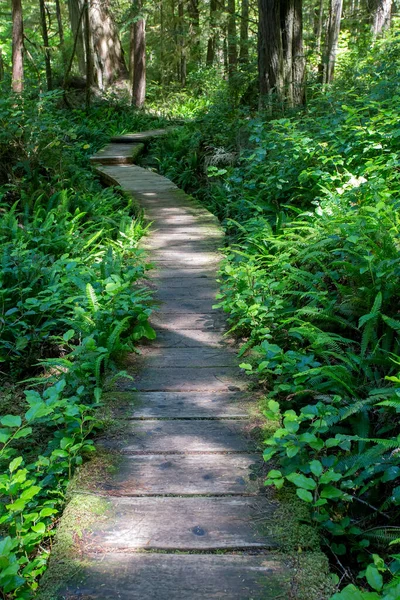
75	8
270	61
318	28
244	33
212	39
109	57
182	44
17	47
45	37
138	57
89	55
194	31
231	28
292	51
332	37
381	11
60	28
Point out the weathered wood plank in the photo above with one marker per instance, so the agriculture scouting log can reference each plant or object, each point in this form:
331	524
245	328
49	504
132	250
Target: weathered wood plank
158	358
117	155
180	524
181	437
176	321
140	136
179	577
186	379
183	475
189	338
183	405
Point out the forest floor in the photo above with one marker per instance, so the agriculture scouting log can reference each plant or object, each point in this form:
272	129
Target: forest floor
176	509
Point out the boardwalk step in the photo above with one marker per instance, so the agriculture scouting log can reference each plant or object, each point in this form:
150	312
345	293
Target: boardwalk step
142	136
179	357
183	475
184	405
117	155
180	524
181	437
179	577
185	379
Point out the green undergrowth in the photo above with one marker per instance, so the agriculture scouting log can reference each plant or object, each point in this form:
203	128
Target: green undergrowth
310	203
72	302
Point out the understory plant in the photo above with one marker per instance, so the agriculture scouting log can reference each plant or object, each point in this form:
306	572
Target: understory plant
71	301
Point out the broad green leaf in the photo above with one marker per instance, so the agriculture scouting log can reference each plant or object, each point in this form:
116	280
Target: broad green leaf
14	464
374	578
304	495
301	481
316	468
11	421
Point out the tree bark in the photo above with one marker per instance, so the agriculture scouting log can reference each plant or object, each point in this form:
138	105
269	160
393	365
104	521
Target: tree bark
60	27
332	37
17	47
182	44
138	57
194	31
45	36
231	29
298	57
381	15
109	59
1	66
212	39
318	28
89	55
244	33
75	8
270	67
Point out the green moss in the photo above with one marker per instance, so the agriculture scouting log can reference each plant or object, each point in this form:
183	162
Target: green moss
66	560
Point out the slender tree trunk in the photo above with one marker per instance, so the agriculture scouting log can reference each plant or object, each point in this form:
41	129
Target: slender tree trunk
318	28
194	31
332	37
212	39
270	67
287	24
45	36
60	27
244	33
182	44
232	49
138	57
17	47
298	57
110	61
75	8
89	55
381	15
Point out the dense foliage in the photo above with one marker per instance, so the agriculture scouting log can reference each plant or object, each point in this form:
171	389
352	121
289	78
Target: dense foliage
71	300
311	284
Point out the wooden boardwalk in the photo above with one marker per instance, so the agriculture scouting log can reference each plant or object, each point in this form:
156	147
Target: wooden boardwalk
183	516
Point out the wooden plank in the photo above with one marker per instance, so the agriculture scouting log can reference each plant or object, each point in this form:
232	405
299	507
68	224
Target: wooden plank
140	136
186	379
113	154
183	475
182	357
181	437
189	338
165	523
178	257
184	304
144	576
183	405
174	320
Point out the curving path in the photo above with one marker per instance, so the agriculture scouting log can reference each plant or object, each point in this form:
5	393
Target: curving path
182	517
